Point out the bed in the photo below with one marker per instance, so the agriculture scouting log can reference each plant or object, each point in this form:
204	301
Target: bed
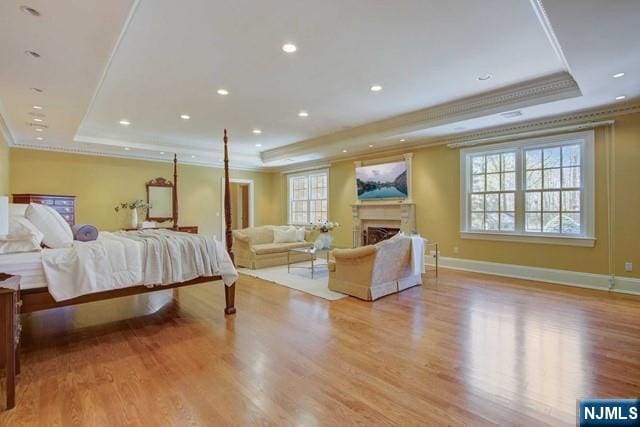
43	274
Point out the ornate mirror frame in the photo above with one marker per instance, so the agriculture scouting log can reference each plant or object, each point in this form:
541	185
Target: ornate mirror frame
162	183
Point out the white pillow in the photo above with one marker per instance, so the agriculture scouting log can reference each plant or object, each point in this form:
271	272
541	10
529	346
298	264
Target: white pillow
284	235
17	209
300	233
57	232
23	237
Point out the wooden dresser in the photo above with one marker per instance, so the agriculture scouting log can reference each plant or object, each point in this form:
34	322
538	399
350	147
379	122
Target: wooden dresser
65	205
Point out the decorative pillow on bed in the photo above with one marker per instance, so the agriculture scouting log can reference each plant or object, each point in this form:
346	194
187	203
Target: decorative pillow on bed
23	236
57	233
17	209
285	235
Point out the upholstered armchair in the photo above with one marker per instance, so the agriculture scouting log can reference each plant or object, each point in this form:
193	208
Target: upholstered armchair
373	271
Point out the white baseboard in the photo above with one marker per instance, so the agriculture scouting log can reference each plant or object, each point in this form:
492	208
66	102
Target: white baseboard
626	285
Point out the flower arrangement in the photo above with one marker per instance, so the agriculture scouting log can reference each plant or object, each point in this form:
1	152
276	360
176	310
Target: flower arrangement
324	227
136	204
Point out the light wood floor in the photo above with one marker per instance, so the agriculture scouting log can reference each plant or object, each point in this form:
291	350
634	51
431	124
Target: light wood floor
467	349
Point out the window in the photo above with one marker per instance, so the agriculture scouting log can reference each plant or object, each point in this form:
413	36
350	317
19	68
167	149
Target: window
308	200
538	190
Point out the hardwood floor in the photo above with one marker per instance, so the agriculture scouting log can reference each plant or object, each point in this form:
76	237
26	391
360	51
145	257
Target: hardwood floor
465	349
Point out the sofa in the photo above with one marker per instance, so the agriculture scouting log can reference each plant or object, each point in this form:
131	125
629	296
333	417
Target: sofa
254	247
371	272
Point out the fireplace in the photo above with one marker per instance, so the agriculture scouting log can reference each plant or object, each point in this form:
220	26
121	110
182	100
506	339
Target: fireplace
373	235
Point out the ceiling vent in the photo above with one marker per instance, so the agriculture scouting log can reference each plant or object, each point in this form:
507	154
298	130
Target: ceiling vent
31	11
34	114
37	125
511	114
32	54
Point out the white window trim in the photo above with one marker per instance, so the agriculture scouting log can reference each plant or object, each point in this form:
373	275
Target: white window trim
306	173
587	141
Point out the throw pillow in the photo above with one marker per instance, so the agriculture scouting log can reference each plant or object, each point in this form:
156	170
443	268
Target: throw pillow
287	235
56	231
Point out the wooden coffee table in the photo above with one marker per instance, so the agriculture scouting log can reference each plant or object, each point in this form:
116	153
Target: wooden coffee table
312	252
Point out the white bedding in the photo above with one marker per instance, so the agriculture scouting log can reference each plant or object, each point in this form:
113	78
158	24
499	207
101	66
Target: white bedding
28	265
118	260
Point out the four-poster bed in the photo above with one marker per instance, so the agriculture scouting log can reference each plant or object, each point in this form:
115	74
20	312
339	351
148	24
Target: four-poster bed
30	300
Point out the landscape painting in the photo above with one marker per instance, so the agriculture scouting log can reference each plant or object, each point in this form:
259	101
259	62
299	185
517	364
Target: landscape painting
383	181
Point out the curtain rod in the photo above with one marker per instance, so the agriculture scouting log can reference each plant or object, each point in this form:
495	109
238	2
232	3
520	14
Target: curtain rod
540	132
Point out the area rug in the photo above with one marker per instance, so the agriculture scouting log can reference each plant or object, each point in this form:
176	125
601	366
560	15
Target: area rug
299	278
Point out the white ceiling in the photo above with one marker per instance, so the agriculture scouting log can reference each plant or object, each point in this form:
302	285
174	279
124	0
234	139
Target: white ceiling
152	60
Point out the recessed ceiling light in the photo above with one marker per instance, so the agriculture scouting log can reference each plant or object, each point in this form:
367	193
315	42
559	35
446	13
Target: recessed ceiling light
125	122
618	75
193	157
370	145
39	130
620	97
376	88
127	148
258	145
185	116
39	138
303	114
37	107
484	77
344	151
257	131
162	152
223	92
32	53
402	140
35	119
289	47
31	11
36	89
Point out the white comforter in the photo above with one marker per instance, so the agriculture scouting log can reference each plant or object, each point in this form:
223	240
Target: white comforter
120	260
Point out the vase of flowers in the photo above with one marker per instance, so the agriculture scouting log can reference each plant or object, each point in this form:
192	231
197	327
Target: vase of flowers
133	206
325	239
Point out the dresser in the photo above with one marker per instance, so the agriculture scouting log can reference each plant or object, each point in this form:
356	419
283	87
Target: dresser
10	333
65	205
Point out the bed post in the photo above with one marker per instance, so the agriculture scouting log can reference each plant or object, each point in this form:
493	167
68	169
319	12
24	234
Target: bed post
229	291
175	191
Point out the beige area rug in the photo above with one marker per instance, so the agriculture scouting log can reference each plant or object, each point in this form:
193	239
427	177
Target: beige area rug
299	278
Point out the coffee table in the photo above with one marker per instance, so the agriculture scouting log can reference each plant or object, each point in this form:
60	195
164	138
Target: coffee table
312	252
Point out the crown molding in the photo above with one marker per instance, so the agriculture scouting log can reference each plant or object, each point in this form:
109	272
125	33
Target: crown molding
132	156
4	129
543	17
533	92
586	117
201	153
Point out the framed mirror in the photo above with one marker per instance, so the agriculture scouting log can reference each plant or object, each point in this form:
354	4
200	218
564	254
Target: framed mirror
160	195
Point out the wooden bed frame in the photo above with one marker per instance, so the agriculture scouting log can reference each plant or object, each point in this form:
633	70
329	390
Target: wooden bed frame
40	298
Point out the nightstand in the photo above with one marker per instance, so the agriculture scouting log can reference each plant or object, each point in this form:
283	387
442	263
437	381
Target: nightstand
10	332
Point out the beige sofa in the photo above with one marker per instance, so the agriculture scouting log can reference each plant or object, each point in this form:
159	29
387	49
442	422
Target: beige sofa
373	271
254	247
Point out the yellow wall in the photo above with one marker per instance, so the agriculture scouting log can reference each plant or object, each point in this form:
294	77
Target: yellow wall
436	187
100	183
4	167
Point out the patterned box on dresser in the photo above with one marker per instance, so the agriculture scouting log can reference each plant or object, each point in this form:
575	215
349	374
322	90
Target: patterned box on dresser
65	205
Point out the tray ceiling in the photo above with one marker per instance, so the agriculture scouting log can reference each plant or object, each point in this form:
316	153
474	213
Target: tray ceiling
148	62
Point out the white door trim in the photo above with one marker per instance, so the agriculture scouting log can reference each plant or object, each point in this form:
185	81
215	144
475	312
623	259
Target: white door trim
251	201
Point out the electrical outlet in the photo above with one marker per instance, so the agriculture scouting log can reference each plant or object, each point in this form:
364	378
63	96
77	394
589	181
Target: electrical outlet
456	249
628	266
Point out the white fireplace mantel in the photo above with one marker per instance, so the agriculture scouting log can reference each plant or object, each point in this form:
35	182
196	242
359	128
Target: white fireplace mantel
399	214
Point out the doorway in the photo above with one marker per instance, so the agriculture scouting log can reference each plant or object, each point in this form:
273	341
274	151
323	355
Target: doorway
241	195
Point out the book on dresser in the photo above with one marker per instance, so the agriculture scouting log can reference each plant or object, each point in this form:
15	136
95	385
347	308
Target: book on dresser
65	205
